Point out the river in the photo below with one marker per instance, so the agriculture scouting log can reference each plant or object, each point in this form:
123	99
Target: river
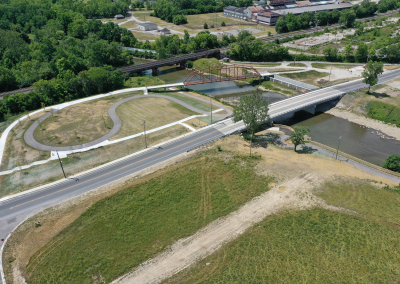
356	140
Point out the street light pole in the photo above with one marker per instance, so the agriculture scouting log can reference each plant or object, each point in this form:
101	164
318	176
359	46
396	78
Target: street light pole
337	151
144	130
61	164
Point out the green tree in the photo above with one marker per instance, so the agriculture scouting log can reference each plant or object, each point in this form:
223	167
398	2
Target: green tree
253	110
347	17
7	80
371	71
392	163
205	26
223	24
297	136
361	53
348	52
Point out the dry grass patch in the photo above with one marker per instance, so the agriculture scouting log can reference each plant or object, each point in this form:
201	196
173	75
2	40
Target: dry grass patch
129	25
145	16
76	163
157	111
144	36
78	124
391	67
17	152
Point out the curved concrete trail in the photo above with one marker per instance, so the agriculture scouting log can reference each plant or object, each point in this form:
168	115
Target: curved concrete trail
31	141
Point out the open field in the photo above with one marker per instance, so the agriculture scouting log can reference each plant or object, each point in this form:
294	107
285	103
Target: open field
46	173
78	124
309	77
17	152
129	25
193	102
157	111
334	66
145	16
144	36
313	246
391	67
196	22
281	164
145	218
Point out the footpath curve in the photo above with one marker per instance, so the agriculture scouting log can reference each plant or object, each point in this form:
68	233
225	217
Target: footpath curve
31	141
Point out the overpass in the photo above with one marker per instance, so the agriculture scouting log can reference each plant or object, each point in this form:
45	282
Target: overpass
15	208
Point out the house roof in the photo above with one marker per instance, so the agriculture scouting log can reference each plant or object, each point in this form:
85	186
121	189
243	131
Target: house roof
317	8
231	8
269	14
241	10
303	3
256	9
119	16
147	24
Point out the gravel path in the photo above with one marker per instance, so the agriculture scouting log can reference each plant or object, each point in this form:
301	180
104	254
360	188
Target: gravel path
31	141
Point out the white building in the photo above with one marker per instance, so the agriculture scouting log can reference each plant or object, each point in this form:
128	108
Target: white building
147	26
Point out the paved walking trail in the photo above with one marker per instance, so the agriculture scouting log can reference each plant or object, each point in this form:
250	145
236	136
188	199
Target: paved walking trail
31	141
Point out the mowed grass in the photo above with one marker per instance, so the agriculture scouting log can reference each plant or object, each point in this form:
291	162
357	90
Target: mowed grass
193	102
384	112
141	81
313	246
145	16
78	124
156	111
334	66
297	64
308	77
118	233
197	21
203	63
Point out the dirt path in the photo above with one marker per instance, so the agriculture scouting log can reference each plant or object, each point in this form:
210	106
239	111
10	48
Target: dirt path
294	194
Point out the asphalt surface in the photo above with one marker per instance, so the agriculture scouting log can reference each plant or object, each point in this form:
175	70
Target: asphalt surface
117	124
14	210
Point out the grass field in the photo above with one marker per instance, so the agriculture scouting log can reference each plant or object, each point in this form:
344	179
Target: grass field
391	67
196	22
144	36
157	111
384	112
297	64
203	63
118	233
77	124
16	152
193	102
49	172
141	81
129	25
309	77
145	16
334	66
276	87
314	246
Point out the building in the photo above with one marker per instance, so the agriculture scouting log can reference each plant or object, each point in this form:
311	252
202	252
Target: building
252	12
164	31
235	12
119	17
268	18
315	9
147	26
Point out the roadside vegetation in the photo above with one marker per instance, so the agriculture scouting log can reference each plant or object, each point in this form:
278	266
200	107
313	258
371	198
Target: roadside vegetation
141	81
297	64
204	63
309	77
146	218
387	113
193	102
279	88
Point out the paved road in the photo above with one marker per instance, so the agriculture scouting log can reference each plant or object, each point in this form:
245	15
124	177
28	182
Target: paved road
31	141
14	210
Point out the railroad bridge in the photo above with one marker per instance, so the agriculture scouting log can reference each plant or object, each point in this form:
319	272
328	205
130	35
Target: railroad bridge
179	60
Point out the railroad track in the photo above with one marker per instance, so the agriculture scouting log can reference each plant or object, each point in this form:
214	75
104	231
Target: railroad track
19	91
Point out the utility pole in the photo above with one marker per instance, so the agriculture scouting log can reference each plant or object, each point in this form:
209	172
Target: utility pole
330	73
295	58
337	151
251	142
61	164
144	129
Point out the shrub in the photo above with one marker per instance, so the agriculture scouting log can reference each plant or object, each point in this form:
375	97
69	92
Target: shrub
205	26
179	20
223	24
189	64
392	163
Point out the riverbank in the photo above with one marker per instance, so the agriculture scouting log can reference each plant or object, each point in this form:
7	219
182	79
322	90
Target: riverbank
386	129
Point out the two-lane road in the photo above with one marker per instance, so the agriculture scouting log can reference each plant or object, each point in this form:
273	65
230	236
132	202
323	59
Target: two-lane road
14	210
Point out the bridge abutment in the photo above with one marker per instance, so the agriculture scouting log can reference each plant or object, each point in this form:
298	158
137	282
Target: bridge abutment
155	71
310	109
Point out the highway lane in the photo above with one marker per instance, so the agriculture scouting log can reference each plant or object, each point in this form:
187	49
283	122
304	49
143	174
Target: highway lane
15	210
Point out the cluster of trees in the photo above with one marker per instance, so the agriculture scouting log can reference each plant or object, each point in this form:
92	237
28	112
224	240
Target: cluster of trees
175	10
290	23
248	49
66	87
